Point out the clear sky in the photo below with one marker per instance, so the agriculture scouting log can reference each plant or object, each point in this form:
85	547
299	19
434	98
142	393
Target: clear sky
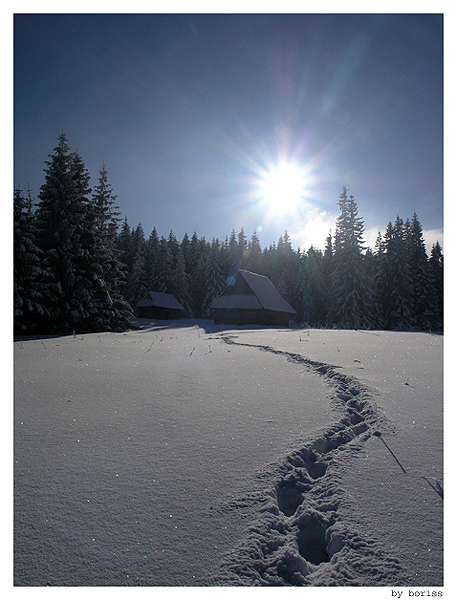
195	116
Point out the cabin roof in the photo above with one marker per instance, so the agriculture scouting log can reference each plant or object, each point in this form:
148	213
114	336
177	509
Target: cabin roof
161	300
237	301
264	295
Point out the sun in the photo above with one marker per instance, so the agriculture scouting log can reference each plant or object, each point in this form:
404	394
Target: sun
282	187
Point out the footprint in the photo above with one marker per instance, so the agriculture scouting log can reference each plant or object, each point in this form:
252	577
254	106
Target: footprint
311	540
290	493
355	418
289	499
314	529
317	469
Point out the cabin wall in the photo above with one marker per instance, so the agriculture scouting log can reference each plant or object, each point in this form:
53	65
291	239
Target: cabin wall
250	317
158	312
236	316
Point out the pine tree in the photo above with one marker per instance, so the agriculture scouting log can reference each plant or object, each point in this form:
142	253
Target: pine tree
302	295
173	244
328	253
242	249
106	217
436	263
213	279
285	267
151	266
92	265
320	297
165	266
29	276
197	251
125	245
179	283
353	293
230	256
106	211
424	303
136	286
254	255
61	217
393	279
185	249
327	274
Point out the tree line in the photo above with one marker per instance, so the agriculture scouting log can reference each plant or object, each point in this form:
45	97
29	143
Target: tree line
79	267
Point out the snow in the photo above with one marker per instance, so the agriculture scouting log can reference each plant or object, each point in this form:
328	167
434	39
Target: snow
185	454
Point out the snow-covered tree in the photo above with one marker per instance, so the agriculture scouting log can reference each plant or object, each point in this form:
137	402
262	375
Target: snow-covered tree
61	219
424	302
436	263
136	285
284	267
196	258
179	283
151	261
125	245
394	279
242	249
353	290
165	266
302	293
212	275
29	275
230	256
113	271
173	245
253	260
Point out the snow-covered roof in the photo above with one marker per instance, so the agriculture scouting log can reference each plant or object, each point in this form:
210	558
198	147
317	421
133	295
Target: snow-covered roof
265	295
235	301
161	300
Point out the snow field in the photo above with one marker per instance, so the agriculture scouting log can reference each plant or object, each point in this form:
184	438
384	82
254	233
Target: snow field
127	445
377	495
185	456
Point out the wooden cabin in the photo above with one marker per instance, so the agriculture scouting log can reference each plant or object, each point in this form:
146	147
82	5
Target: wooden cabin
159	305
251	299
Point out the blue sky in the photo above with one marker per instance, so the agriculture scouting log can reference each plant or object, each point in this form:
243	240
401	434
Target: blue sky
189	112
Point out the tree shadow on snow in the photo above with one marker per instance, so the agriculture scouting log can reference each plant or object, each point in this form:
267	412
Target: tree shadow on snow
142	324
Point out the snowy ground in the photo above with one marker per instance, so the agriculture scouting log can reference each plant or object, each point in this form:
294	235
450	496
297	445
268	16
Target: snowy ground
185	454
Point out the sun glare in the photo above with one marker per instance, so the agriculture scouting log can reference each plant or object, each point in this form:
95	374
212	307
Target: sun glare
283	187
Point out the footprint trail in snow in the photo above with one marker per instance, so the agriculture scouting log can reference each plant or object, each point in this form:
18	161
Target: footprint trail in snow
304	534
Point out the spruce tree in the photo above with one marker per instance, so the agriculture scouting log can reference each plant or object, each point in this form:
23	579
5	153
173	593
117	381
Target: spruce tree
319	297
173	244
165	266
185	249
424	303
125	245
61	217
394	279
179	283
242	249
29	275
285	267
230	256
136	286
302	301
436	263
113	271
195	260
254	255
151	266
353	293
212	275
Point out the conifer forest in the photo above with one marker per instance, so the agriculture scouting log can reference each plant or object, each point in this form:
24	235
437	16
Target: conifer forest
79	267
